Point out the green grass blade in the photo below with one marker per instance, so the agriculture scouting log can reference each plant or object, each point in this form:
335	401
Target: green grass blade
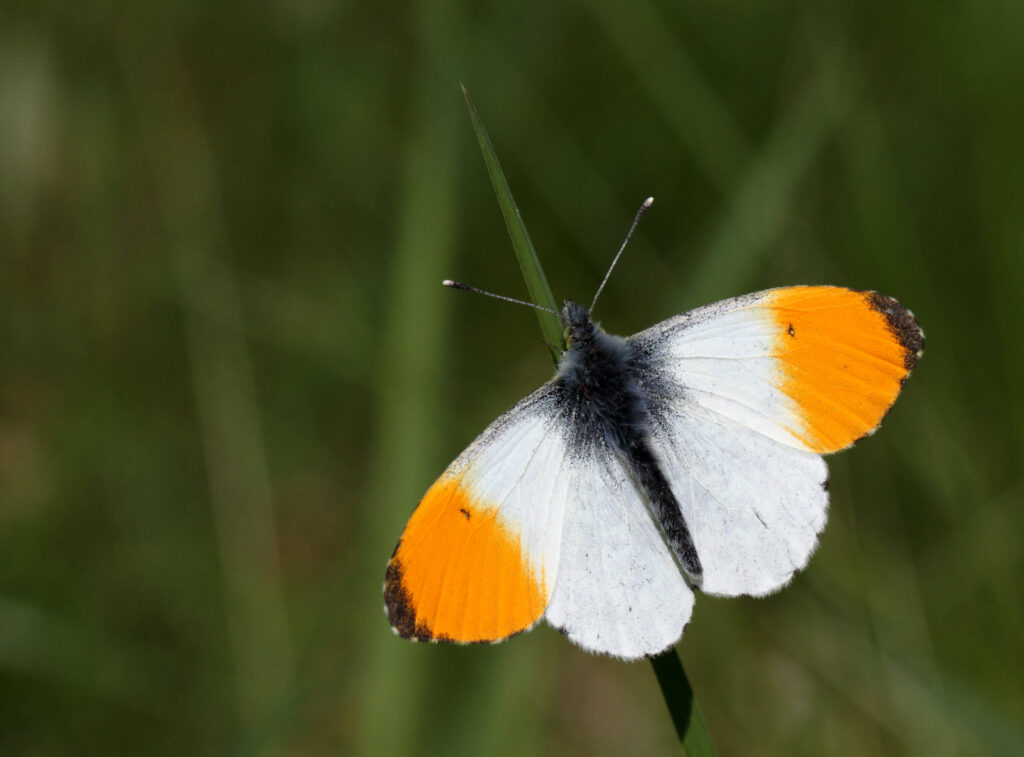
686	715
536	282
675	687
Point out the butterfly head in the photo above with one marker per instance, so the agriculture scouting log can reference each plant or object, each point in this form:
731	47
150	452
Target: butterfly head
578	326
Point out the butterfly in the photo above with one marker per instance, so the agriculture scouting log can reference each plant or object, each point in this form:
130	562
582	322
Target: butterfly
687	456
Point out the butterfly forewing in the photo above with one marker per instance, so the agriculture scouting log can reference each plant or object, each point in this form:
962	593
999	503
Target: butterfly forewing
815	367
478	558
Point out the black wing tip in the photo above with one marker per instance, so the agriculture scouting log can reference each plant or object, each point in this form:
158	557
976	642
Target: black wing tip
399	607
902	325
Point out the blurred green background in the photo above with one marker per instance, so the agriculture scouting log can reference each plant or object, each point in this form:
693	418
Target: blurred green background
229	370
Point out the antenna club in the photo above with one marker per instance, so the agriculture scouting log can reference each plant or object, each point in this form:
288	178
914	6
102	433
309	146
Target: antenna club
648	202
453	284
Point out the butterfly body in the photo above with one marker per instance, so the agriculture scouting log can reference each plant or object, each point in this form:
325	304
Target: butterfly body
686	456
601	378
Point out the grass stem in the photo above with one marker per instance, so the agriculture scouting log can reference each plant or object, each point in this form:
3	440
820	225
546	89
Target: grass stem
675	687
536	282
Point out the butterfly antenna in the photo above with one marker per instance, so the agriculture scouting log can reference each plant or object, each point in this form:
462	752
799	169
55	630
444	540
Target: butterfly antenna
639	214
459	285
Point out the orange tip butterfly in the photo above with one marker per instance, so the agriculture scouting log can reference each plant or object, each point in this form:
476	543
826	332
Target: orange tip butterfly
687	456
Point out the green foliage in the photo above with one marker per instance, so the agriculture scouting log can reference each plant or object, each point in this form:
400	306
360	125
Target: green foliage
229	369
682	706
675	687
533	274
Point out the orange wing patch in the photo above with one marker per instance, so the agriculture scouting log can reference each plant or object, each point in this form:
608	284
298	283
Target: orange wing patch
844	356
459	574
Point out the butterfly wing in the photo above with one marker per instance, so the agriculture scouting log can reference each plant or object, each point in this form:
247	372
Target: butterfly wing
478	558
746	394
534	516
754	506
618	589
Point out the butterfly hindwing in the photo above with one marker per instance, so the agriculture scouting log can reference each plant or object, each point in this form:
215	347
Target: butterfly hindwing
618	590
754	506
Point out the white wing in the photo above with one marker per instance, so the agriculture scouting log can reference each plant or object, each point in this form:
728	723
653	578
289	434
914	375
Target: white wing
754	506
619	590
524	522
744	394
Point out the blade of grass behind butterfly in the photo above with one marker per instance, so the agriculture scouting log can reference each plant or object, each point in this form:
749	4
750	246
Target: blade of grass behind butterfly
536	282
682	706
668	668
